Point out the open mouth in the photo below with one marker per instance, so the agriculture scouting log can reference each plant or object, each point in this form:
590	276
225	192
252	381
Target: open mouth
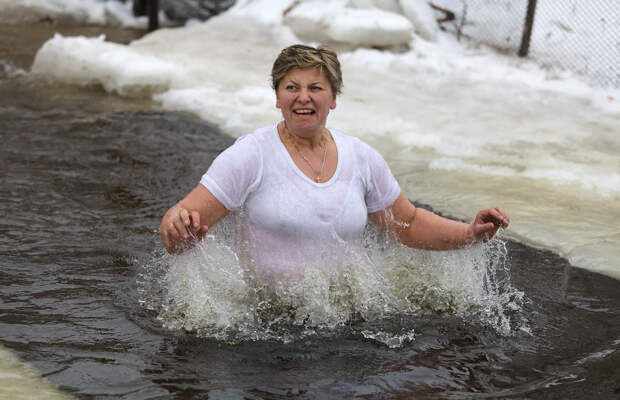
304	112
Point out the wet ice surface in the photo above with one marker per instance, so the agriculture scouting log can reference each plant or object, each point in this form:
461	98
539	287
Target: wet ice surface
85	191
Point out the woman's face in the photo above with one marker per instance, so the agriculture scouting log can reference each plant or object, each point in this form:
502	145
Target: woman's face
305	98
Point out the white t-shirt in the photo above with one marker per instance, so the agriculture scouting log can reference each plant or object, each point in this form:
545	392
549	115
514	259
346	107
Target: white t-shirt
290	220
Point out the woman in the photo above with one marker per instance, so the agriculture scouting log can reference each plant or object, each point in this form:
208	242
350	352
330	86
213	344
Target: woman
307	191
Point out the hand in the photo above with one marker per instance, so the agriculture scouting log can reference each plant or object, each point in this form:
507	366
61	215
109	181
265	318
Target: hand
180	228
487	223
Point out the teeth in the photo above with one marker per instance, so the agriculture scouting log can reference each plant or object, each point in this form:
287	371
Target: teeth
304	111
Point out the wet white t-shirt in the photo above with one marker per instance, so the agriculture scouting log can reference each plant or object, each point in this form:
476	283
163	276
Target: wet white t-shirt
289	220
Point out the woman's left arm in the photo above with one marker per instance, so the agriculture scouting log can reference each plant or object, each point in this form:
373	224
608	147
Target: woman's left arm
417	227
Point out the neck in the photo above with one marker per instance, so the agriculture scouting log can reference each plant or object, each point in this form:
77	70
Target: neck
317	139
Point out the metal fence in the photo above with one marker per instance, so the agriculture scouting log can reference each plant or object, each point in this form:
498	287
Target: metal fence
582	36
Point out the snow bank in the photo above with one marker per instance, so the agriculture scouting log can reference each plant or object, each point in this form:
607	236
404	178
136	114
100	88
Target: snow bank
421	15
338	24
361	23
418	12
96	12
92	61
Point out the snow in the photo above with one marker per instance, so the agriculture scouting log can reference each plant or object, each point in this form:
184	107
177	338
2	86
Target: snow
92	61
96	12
349	26
421	15
418	12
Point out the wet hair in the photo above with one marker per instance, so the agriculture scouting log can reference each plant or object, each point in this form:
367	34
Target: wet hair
301	56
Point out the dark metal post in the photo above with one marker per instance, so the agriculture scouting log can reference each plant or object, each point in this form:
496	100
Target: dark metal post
139	7
153	8
527	28
147	7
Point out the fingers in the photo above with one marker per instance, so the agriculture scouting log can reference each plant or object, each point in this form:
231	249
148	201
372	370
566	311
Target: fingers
488	222
488	231
184	217
179	225
180	228
496	215
501	216
484	231
196	228
504	216
194	216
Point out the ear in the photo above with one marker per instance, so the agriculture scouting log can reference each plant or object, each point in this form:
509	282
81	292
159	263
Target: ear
333	106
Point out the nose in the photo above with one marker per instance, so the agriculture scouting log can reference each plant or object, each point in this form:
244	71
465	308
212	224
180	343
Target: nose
304	96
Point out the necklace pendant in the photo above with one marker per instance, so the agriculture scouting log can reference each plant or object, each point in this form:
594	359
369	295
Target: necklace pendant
318	179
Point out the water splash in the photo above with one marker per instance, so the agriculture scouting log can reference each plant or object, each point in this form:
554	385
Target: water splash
391	340
212	292
9	70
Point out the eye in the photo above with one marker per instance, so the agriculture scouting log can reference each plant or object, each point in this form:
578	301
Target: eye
291	87
316	88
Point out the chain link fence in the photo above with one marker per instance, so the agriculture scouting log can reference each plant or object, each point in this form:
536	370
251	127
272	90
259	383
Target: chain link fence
582	36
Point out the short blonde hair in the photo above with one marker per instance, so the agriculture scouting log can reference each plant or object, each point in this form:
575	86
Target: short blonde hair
302	56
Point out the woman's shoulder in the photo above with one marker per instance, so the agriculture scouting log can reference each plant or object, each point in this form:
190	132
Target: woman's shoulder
264	133
354	143
256	140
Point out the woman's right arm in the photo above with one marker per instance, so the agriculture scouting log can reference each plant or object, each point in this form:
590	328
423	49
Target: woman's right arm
198	211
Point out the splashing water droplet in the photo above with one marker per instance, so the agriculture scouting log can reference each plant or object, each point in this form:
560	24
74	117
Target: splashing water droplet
212	291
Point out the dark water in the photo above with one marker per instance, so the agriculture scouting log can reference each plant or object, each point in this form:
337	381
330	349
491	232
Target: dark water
86	178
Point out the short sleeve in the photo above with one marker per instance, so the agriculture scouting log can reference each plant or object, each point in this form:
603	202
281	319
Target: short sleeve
235	172
382	189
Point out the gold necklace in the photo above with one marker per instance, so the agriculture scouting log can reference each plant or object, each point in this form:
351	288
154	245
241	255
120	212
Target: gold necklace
324	145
